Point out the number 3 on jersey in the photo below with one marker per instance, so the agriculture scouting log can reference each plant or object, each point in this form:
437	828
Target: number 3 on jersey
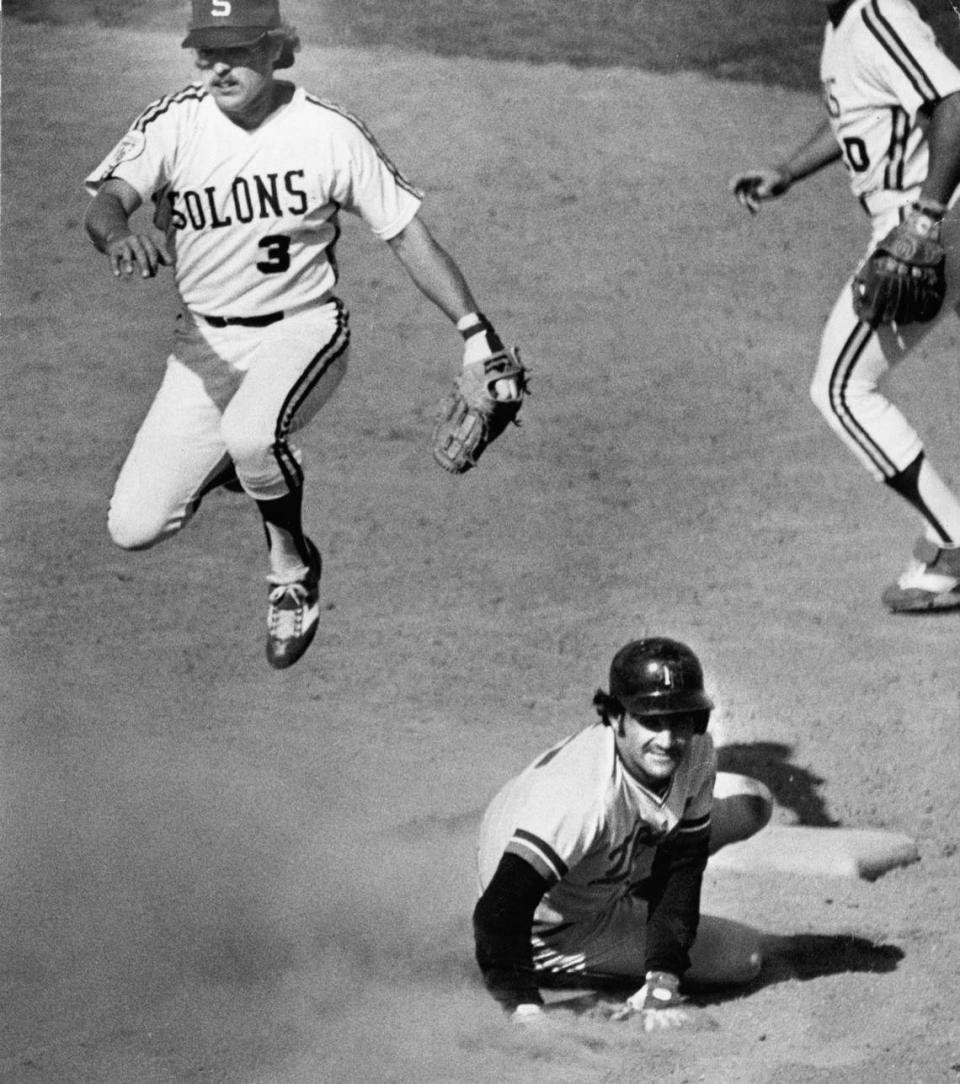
277	250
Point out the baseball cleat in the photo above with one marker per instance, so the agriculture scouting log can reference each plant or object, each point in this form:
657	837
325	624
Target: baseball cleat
293	612
930	582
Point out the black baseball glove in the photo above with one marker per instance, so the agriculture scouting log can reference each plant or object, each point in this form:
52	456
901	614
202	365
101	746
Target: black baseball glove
902	281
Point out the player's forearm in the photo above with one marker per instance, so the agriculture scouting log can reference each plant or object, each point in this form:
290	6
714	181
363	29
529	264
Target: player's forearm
506	964
673	906
502	921
433	270
106	220
943	138
816	152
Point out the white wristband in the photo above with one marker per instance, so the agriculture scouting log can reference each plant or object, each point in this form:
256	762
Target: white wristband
470	324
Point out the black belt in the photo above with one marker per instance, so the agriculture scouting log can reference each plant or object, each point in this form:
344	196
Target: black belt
244	321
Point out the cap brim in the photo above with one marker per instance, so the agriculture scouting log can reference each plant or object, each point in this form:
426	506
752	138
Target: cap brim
675	704
223	37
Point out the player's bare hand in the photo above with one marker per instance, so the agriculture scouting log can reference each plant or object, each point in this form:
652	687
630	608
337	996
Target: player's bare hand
756	185
135	251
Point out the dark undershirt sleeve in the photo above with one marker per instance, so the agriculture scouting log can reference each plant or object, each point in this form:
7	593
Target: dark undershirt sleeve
502	921
673	902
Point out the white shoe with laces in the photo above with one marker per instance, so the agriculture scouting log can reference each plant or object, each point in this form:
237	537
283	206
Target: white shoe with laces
293	613
930	582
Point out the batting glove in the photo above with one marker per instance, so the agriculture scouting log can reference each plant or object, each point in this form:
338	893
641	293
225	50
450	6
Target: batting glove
479	338
480	342
658	1003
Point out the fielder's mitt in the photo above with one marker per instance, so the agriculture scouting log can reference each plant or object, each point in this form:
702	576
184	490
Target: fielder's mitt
476	412
902	280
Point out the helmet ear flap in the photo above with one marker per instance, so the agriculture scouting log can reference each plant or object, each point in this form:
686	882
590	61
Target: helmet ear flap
607	706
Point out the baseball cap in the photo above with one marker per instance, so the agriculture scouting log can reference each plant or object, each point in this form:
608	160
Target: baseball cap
224	24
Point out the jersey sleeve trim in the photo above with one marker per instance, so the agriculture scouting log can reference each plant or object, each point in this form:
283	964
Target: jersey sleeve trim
694	827
538	853
132	145
883	30
193	92
369	137
399	224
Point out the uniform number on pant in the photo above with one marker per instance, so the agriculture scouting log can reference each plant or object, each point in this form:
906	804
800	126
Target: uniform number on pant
277	249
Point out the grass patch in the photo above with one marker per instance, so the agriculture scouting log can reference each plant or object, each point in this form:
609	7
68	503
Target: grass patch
102	12
776	41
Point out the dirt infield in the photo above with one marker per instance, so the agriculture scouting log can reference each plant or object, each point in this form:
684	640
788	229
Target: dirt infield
215	872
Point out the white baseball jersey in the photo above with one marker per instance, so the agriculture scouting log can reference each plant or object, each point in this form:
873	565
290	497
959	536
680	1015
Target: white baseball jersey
880	68
251	216
588	826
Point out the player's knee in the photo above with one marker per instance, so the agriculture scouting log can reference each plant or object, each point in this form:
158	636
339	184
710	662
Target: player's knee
857	394
757	804
133	528
742	806
747	962
130	534
820	395
746	967
726	953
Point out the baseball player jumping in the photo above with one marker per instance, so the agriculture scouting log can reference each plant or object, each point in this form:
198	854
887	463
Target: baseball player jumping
591	859
893	103
247	174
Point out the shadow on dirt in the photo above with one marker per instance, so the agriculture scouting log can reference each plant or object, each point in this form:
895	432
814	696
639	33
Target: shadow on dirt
806	956
812	955
435	826
793	787
800	957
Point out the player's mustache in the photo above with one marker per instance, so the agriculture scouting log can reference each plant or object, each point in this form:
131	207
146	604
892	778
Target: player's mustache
674	749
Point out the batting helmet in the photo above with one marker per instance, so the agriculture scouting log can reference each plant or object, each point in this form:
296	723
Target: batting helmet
659	677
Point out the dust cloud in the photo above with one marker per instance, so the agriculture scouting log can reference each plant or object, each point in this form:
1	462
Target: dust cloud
162	894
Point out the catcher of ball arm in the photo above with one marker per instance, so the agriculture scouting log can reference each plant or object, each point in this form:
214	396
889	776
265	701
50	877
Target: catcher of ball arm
476	412
903	279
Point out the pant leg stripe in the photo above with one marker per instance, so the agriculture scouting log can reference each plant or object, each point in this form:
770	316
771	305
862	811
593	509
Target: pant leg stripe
307	381
839	404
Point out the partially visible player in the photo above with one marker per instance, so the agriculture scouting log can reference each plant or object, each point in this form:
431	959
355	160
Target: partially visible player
893	103
248	175
591	859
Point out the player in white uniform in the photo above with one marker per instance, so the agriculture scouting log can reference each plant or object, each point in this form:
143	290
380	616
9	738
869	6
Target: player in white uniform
591	860
893	105
248	174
